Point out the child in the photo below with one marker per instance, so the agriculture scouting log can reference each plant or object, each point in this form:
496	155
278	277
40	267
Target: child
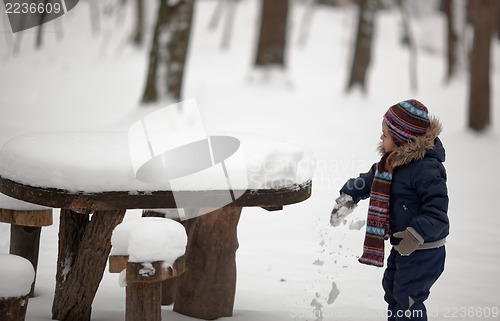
408	203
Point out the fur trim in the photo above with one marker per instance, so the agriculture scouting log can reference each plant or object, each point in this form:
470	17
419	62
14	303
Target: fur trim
415	150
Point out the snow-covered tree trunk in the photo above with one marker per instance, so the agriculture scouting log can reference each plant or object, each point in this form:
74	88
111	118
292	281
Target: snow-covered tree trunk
81	259
485	13
169	51
362	52
272	35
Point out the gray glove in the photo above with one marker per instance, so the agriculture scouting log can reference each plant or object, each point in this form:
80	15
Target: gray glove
410	241
345	206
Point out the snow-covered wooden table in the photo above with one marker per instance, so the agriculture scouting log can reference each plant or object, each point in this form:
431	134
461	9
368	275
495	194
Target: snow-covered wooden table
92	178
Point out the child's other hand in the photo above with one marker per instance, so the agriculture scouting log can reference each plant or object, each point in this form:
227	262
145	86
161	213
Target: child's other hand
345	206
408	244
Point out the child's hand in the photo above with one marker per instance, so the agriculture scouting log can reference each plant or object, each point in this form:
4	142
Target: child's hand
409	242
345	205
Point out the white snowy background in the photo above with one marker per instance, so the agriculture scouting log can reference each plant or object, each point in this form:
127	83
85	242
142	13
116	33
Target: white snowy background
290	263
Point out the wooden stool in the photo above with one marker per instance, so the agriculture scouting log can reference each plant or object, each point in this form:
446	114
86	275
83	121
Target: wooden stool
149	242
16	277
144	280
169	286
25	230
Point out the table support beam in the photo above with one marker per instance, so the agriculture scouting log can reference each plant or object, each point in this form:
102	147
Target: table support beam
84	247
207	288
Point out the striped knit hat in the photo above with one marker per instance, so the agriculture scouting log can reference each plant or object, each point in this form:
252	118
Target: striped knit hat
407	120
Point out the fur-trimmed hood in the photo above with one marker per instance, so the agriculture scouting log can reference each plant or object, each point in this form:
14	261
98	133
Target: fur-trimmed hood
423	145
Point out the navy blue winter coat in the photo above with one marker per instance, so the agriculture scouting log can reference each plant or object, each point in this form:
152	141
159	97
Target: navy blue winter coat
419	197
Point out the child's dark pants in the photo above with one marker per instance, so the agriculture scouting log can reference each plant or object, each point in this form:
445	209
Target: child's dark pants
407	281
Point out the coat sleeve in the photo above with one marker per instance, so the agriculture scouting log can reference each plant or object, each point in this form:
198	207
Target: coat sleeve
359	188
430	184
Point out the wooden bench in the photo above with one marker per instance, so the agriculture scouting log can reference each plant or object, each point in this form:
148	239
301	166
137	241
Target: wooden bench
16	276
143	290
25	230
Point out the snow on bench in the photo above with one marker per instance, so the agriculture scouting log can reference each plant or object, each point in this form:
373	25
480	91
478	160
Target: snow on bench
18	212
26	221
16	276
146	251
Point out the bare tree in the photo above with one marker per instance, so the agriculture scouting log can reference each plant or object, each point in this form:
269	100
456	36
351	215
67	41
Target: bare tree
498	22
38	43
452	39
362	51
168	51
139	23
272	35
484	17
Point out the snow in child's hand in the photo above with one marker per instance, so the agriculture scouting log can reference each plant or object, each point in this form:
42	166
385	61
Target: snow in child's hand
343	208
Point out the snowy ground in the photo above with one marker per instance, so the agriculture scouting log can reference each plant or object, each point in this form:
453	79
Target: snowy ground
287	260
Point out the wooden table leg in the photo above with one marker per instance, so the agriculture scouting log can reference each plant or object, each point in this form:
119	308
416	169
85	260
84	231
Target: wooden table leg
25	242
84	248
206	289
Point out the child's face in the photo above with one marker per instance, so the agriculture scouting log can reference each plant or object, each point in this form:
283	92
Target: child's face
387	139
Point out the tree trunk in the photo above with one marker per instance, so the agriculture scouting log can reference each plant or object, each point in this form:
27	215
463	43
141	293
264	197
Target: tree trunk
84	248
38	43
139	22
485	12
272	36
452	39
409	40
206	289
363	47
168	52
498	21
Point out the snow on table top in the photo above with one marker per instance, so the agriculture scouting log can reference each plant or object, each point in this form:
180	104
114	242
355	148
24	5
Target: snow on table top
150	239
16	276
111	161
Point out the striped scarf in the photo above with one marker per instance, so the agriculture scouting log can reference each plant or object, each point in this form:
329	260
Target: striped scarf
377	225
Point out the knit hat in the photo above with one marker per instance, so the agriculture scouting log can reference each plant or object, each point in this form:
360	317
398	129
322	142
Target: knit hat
407	120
